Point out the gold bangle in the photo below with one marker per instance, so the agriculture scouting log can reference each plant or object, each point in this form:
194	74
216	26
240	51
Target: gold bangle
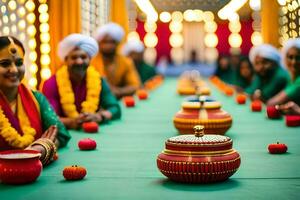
49	147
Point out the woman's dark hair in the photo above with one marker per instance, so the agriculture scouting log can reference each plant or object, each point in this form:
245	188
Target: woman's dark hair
245	59
4	42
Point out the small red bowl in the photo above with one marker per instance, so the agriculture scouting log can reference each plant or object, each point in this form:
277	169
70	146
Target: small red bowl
142	94
90	127
277	148
87	144
273	113
256	106
20	166
292	120
129	101
241	99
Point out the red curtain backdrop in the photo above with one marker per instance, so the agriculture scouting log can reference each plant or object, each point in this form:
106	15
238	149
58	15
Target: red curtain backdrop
163	33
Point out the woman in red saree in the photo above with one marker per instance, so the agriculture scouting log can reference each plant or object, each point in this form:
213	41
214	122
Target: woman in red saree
27	121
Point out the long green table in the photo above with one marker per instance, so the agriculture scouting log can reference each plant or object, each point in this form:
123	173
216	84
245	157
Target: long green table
124	164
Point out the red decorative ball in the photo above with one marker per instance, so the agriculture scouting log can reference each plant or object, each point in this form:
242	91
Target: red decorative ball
74	172
273	113
292	120
241	99
90	127
229	91
277	148
142	94
87	144
256	106
129	101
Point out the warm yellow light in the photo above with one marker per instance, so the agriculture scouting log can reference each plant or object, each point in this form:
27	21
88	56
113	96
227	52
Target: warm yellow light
45	59
21	11
45	37
210	26
33	68
211	40
176	40
177	16
199	15
234	27
33	56
30	6
147	7
211	54
44	17
13	17
256	38
5	30
150	40
165	17
255	4
150	55
32	44
175	27
32	82
235	40
31	30
45	73
30	18
150	27
13	28
22	37
22	24
5	19
21	1
43	8
45	48
133	35
233	17
208	16
189	15
3	9
12	5
43	1
44	27
231	7
177	55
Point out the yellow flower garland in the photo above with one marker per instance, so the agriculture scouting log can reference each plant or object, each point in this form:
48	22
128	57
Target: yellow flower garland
67	98
11	135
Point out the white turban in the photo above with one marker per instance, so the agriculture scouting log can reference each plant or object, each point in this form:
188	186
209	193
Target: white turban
69	43
112	29
266	51
133	45
289	44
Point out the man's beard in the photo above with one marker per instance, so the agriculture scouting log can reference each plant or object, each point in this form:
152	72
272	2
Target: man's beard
79	69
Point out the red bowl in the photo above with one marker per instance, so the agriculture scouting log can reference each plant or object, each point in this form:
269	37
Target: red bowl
256	106
129	101
273	113
241	99
19	166
87	144
142	94
90	127
277	148
292	120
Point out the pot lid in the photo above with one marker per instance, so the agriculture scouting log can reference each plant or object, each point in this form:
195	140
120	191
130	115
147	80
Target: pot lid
199	142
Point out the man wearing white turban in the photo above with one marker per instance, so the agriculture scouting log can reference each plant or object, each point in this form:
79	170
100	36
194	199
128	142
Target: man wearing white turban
134	49
269	77
77	92
118	70
291	60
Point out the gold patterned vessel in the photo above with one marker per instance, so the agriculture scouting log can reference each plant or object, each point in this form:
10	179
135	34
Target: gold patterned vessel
206	113
198	158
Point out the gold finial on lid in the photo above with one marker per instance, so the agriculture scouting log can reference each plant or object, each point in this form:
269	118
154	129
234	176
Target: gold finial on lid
199	130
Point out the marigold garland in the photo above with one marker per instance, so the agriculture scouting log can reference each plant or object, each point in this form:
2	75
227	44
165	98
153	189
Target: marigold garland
11	135
67	98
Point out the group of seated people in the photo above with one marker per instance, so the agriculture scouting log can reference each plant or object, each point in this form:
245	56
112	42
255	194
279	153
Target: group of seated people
267	75
80	90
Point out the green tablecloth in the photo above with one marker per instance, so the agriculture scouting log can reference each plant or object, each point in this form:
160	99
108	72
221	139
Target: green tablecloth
124	164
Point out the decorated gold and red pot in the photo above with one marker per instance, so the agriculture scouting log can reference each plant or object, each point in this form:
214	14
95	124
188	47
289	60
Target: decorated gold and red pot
19	166
206	113
198	158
